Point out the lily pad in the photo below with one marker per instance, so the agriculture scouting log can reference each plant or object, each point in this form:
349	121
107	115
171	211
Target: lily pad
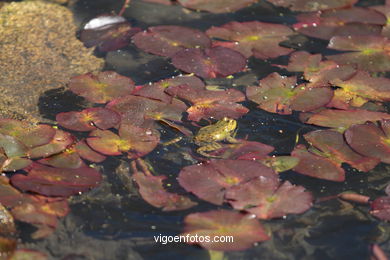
368	53
333	146
166	40
244	150
59	143
317	166
89	119
133	140
313	5
241	227
101	87
268	200
216	6
61	182
210	181
209	103
30	135
209	63
341	22
67	159
252	38
370	140
343	119
380	208
279	94
107	32
152	191
86	152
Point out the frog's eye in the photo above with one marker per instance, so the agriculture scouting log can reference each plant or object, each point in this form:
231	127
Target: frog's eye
226	119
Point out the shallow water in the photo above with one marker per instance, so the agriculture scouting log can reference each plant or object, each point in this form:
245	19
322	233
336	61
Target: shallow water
112	222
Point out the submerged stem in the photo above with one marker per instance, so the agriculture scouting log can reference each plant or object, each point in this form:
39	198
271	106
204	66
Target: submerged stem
125	5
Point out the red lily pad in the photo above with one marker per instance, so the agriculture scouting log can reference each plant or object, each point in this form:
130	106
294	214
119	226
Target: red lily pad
216	6
362	88
209	103
280	163
210	181
268	200
133	140
333	146
209	63
310	5
13	153
89	119
29	134
101	87
67	159
380	208
107	32
157	90
368	53
243	228
370	140
385	10
342	22
59	143
343	119
166	40
8	239
279	94
244	150
317	166
152	191
85	152
252	38
62	182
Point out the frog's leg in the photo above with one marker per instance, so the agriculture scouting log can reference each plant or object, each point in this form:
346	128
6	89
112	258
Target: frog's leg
208	148
232	140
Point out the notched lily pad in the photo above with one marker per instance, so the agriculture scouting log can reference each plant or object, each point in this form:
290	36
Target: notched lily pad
107	32
86	152
370	139
209	63
244	229
279	94
368	53
61	182
166	40
244	150
101	87
252	38
152	191
59	143
89	119
210	181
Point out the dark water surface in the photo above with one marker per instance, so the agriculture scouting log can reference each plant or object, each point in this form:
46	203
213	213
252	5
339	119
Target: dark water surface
112	222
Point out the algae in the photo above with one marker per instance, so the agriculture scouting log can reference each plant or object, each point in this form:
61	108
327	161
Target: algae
39	51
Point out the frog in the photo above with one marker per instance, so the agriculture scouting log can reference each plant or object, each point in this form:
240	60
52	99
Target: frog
207	137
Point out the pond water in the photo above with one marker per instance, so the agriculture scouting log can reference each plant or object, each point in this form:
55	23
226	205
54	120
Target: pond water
113	222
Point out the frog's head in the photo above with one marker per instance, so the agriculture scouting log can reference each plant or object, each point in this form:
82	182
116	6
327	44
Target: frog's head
229	124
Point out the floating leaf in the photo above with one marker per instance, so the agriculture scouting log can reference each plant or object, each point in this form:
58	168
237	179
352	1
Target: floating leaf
252	38
244	150
152	191
370	140
67	159
313	5
62	182
244	230
267	200
209	63
133	140
59	143
279	94
333	146
87	153
28	134
384	9
107	32
166	40
89	119
366	52
380	208
280	163
342	22
317	166
216	6
101	87
210	181
209	103
343	119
